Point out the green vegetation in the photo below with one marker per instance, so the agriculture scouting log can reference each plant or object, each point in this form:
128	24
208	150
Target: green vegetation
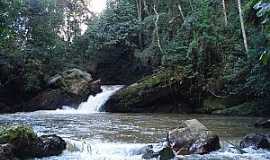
16	134
223	47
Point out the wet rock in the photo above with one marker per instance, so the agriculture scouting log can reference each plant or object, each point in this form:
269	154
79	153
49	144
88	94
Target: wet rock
256	140
6	152
263	124
49	145
192	137
164	153
52	100
163	92
67	89
144	150
21	137
21	142
147	152
76	82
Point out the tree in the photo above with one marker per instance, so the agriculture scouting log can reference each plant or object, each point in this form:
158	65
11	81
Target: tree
242	25
139	12
224	12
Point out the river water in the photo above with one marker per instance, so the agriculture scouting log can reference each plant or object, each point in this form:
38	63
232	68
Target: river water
92	135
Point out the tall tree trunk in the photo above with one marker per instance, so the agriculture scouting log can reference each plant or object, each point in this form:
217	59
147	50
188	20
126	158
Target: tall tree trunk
225	13
139	12
242	26
156	31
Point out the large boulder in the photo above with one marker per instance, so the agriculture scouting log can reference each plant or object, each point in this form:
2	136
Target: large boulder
256	140
49	145
69	88
192	137
51	100
167	91
76	82
21	142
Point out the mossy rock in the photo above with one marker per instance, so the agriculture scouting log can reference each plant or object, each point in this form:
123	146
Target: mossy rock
160	92
23	143
211	103
16	134
22	138
73	81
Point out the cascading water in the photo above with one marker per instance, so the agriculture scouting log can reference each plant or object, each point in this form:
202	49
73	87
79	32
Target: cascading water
93	104
100	136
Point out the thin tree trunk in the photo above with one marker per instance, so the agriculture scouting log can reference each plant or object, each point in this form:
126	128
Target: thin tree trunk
242	26
146	7
139	12
181	11
156	31
191	6
225	13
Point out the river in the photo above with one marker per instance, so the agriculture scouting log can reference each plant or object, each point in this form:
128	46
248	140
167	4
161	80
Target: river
92	135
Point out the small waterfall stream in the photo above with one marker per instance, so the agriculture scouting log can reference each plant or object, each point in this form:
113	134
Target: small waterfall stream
94	103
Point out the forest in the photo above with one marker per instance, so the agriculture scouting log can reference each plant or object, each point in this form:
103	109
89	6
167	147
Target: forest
222	47
190	57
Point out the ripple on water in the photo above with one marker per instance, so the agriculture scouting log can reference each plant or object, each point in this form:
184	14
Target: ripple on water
119	136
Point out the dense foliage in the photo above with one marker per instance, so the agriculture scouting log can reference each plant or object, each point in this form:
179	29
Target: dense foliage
206	37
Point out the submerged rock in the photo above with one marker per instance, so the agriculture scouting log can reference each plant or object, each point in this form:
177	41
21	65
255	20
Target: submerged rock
164	153
263	124
69	88
192	137
256	140
21	142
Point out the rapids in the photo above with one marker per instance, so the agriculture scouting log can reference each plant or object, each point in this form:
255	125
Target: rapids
92	135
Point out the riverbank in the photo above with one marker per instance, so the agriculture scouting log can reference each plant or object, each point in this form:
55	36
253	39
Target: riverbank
174	90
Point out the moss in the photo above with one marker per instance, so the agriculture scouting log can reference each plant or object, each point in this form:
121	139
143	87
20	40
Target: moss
164	78
212	104
16	133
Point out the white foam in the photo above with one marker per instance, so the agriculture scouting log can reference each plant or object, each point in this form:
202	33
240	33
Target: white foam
93	104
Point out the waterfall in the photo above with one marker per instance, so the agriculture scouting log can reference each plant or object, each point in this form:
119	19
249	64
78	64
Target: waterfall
93	104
